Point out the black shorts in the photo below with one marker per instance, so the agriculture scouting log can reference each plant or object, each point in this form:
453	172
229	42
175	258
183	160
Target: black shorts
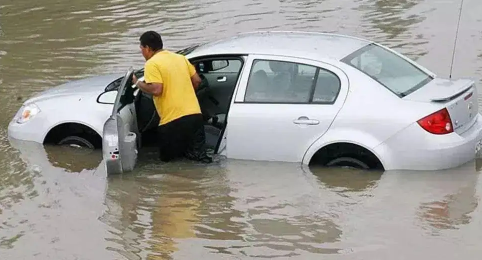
183	137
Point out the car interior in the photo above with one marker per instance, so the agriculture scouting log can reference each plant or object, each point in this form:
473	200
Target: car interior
219	77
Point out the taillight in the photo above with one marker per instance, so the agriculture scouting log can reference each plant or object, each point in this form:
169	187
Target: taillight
438	123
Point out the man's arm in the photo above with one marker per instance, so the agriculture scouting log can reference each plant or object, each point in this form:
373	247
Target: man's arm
195	79
153	80
152	88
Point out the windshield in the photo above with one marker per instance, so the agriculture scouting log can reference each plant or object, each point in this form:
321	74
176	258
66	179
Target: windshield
392	71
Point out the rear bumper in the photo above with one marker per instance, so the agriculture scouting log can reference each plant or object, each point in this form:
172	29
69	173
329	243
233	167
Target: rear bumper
415	149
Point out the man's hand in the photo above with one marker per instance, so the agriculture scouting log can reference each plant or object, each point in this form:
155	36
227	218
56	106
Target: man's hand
151	88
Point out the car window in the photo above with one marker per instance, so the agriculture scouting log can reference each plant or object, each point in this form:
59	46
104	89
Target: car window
279	82
219	66
389	69
327	87
233	67
287	82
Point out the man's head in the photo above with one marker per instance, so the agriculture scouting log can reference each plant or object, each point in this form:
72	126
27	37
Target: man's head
151	42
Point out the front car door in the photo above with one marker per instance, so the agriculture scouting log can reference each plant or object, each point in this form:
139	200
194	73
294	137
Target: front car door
282	107
120	134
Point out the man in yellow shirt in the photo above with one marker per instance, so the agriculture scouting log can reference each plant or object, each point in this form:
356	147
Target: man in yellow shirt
172	81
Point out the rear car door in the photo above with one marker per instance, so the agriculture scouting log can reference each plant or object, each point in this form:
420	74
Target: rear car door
120	133
283	105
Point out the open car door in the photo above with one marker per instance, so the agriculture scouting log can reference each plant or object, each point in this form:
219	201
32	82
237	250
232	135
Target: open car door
120	134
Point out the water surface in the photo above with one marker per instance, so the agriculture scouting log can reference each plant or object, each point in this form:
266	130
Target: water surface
56	203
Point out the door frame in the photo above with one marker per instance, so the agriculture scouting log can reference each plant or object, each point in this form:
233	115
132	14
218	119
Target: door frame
241	57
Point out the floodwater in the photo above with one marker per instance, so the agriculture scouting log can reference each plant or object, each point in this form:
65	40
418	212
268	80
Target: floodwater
56	203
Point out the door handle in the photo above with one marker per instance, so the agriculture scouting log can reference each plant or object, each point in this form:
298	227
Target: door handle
222	79
303	120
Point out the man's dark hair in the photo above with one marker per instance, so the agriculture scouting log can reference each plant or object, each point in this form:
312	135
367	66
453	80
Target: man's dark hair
151	39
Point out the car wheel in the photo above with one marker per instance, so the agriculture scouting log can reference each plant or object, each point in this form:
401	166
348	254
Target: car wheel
347	162
76	141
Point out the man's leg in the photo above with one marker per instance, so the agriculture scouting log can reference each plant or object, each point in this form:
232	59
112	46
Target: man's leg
170	141
164	139
196	149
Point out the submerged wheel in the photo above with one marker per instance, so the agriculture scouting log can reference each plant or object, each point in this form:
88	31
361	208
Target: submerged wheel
347	162
76	141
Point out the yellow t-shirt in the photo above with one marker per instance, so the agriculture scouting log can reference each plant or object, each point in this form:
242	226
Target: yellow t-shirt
178	97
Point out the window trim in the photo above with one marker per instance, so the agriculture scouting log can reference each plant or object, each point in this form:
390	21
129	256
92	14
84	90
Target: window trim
312	90
366	48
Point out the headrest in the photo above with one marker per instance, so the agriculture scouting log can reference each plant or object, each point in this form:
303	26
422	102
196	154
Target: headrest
279	66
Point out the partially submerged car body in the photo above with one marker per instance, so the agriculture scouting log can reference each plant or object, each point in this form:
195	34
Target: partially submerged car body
310	98
345	109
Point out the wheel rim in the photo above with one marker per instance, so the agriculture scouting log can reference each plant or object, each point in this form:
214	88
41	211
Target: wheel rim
348	162
76	142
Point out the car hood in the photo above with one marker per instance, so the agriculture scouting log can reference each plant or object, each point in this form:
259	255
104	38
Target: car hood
91	85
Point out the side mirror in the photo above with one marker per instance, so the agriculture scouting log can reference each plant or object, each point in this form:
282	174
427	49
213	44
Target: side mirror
107	97
219	64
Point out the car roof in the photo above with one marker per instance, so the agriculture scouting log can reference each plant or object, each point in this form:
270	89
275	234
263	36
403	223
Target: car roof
308	45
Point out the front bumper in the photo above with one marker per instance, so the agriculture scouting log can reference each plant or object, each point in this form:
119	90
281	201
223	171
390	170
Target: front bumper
28	131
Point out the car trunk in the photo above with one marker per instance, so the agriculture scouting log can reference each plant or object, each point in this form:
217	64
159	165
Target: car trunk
458	96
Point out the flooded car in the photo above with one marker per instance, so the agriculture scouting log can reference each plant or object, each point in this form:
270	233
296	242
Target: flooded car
312	98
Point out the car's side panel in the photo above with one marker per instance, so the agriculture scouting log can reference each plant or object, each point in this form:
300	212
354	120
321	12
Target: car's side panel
370	116
93	114
373	109
71	97
277	131
344	135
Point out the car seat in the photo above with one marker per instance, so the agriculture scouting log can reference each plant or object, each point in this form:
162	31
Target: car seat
258	86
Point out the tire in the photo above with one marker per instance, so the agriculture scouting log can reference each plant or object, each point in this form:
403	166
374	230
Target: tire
348	162
76	141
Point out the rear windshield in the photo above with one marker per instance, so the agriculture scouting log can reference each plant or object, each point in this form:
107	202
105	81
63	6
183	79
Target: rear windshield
389	69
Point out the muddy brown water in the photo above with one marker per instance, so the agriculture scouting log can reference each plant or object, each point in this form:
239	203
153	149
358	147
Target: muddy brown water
55	203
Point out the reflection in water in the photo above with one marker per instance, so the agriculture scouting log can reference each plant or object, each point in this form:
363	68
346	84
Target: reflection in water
347	180
57	202
283	214
156	215
230	208
450	212
72	159
154	212
54	208
454	209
